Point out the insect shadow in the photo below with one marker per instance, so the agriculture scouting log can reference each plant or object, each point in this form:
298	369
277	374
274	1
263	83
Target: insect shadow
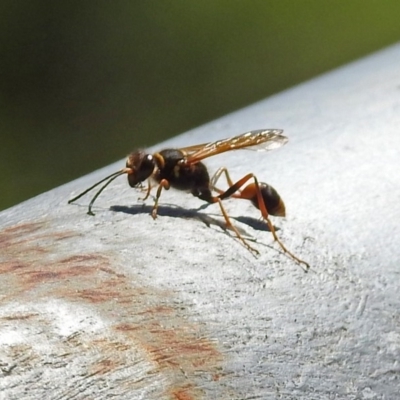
256	223
166	210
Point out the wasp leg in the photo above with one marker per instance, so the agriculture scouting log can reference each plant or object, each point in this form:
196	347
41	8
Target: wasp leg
164	184
229	225
217	176
252	192
148	190
206	195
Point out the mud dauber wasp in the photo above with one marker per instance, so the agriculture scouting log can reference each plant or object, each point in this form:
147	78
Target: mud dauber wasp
183	169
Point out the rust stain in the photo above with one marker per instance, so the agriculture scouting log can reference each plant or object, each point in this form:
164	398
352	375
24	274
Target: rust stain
158	310
82	258
142	316
104	366
18	238
97	295
7	267
216	377
112	345
126	327
111	272
21	229
182	394
39	276
181	348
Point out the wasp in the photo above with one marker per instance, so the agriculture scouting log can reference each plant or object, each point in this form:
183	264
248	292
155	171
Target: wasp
184	170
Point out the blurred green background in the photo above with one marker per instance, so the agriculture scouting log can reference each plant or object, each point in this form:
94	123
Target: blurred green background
84	82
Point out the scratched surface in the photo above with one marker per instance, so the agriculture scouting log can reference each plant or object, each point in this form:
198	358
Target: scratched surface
118	305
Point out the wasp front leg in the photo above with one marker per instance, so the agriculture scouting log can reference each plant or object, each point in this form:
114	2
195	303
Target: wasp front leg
164	184
148	190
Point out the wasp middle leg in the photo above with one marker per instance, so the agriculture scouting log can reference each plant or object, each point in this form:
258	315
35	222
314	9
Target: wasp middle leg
206	195
147	190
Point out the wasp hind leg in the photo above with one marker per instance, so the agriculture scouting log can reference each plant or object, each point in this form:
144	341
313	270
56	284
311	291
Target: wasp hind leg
253	193
229	225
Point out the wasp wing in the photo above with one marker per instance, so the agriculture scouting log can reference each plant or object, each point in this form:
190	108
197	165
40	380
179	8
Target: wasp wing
259	140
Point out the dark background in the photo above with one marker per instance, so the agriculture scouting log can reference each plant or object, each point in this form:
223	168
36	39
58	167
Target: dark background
84	82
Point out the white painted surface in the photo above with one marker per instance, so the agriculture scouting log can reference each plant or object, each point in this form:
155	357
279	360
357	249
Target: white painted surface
223	324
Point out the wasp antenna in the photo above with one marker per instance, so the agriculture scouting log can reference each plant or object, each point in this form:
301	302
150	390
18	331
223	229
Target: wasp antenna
118	173
111	178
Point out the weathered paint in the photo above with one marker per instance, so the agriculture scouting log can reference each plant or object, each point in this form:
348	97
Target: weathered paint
119	305
43	329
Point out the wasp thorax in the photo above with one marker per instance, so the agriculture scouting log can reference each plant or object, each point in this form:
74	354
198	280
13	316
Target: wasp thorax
142	166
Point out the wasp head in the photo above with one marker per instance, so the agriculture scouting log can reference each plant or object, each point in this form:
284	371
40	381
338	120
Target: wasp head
142	166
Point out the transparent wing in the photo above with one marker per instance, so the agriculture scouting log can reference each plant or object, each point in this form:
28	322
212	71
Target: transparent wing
259	140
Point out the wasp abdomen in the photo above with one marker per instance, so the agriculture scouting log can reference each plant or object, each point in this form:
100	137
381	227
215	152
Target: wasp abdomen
273	202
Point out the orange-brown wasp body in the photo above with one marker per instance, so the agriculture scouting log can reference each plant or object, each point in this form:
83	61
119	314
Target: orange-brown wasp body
183	169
